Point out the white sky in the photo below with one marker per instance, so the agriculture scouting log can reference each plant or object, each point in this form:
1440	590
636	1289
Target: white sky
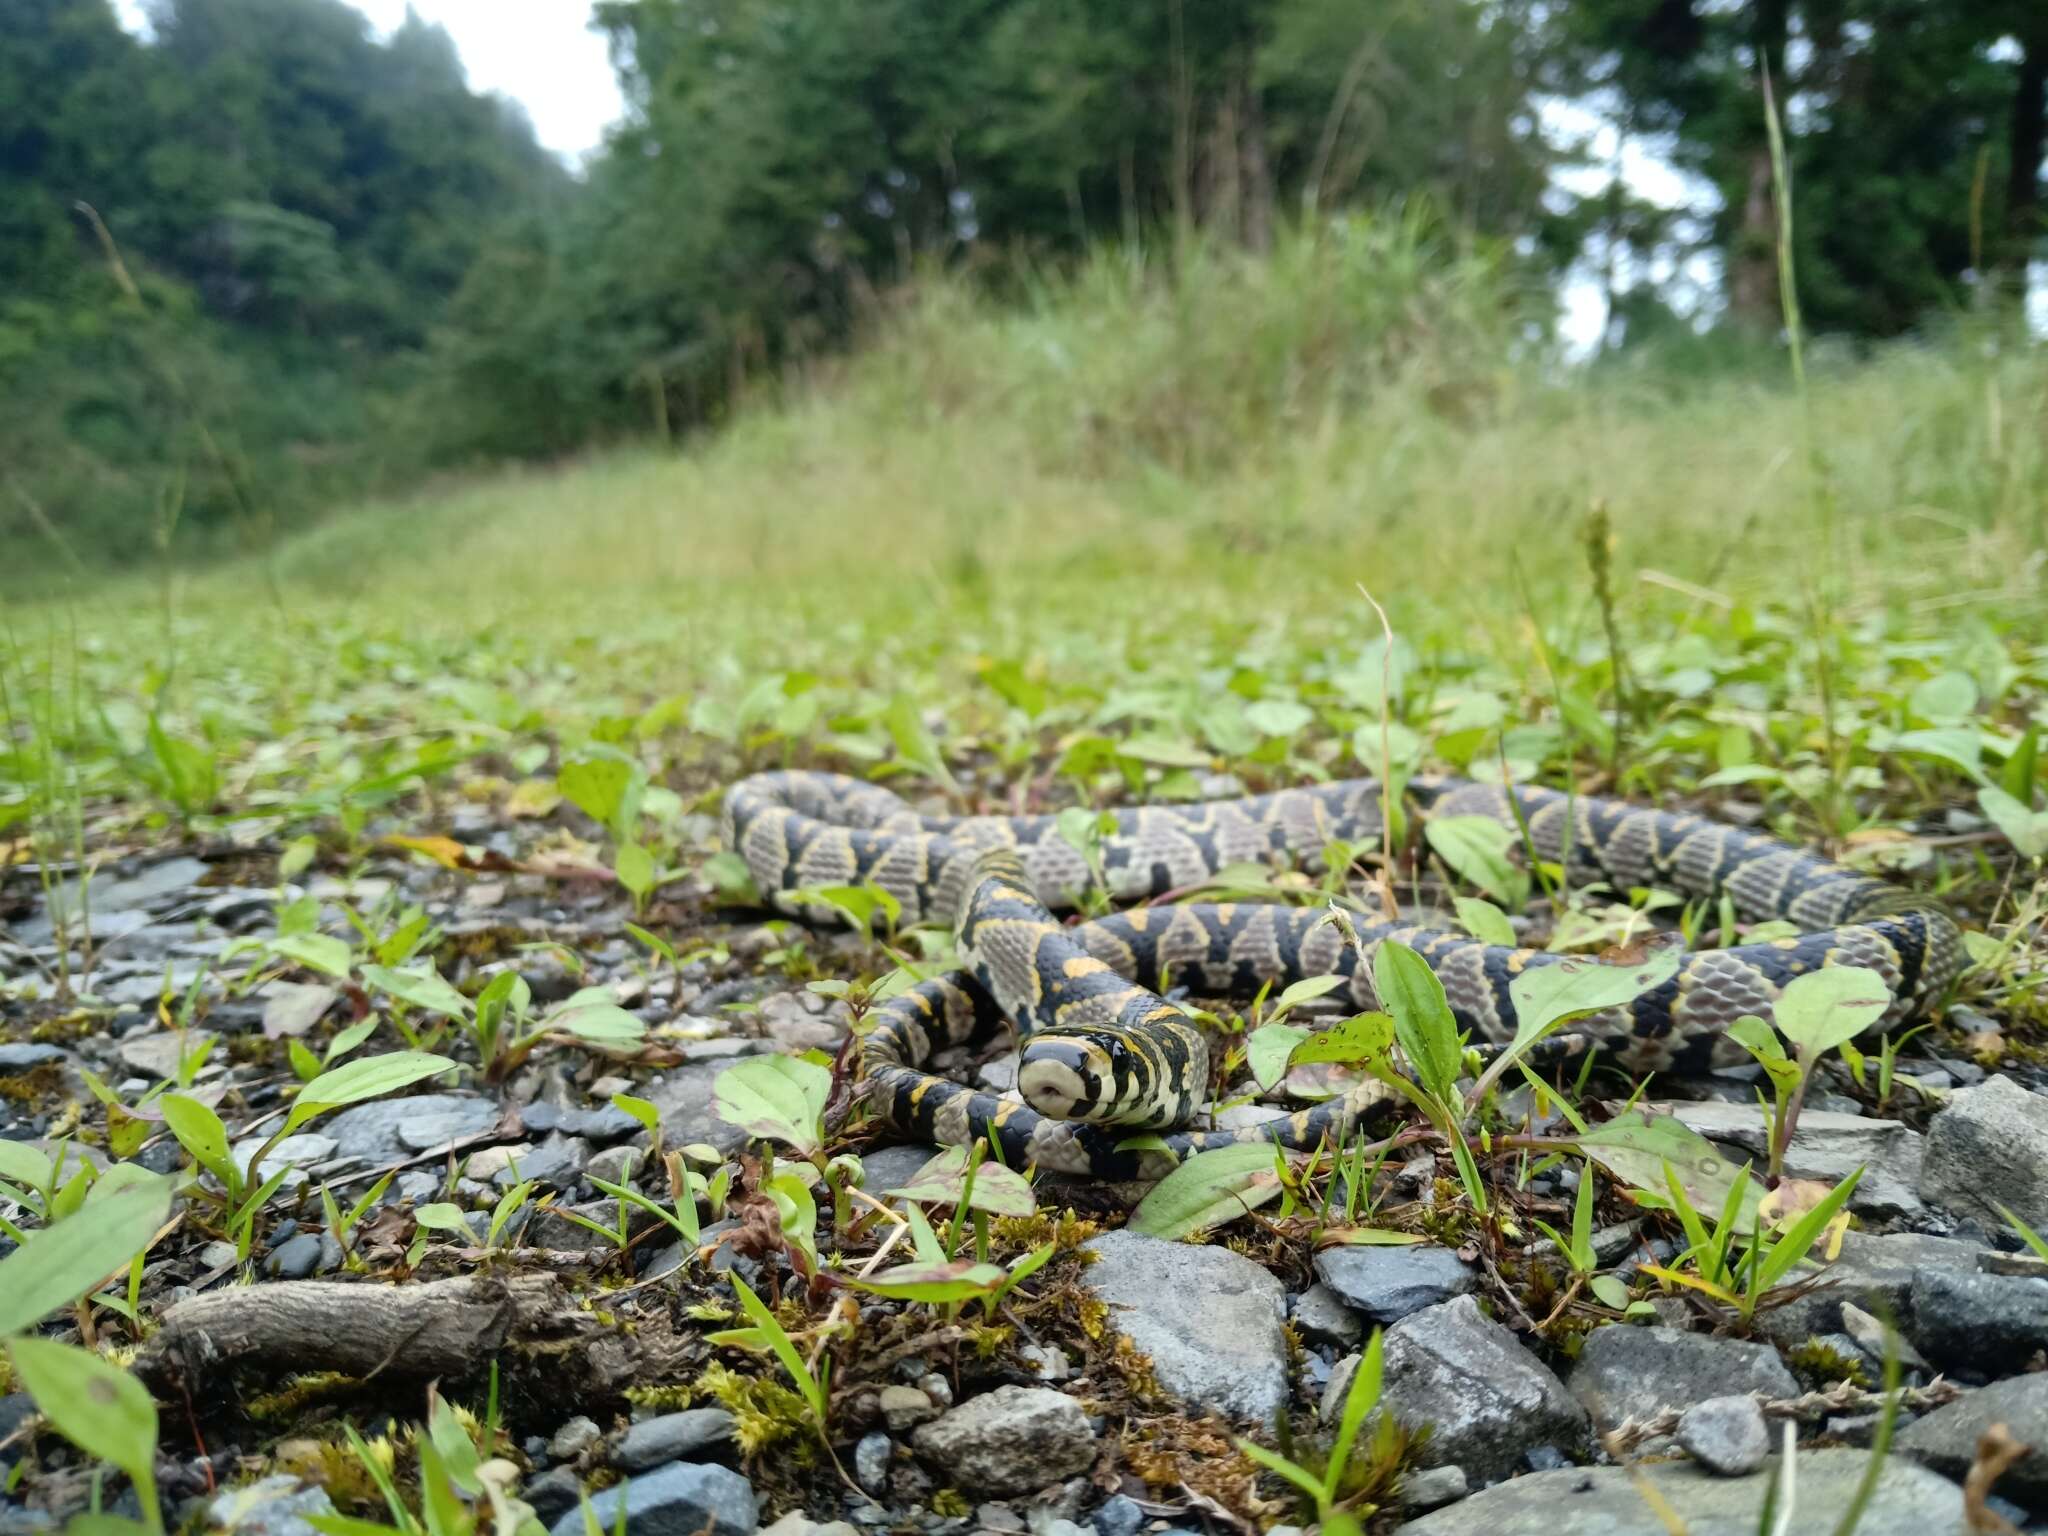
541	53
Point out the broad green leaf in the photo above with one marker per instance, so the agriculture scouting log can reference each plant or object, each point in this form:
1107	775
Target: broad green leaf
2026	829
1635	1148
1549	996
98	1407
1306	990
1477	848
955	1281
367	1077
648	1114
24	1165
315	951
600	1023
1820	1010
1360	1038
420	988
1410	991
2017	777
777	1097
598	786
1163	752
1952	744
1484	921
999	1191
634	866
1208	1189
914	740
1945	698
1609	1291
1278	717
1267	1049
65	1260
199	1132
444	1217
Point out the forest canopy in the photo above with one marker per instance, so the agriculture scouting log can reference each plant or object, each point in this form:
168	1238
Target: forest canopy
257	260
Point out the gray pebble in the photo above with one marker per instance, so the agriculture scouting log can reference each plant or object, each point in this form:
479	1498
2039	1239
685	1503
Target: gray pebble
1726	1435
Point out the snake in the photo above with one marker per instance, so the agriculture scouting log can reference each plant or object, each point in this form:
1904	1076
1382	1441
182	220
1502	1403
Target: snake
1111	1073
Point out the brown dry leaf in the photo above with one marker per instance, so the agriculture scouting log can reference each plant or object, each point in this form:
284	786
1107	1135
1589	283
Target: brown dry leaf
1996	1450
532	799
444	851
1792	1199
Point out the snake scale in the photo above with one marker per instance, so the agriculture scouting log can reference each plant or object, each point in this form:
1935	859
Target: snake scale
1105	1059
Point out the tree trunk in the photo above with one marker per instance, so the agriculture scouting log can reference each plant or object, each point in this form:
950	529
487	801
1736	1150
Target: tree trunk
1258	170
1753	259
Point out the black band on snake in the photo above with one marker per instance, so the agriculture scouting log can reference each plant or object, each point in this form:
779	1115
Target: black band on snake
1105	1059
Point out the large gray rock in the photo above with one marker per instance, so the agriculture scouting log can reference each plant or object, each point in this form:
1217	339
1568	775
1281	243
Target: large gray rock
1876	1273
671	1437
385	1130
1604	1501
1486	1399
1983	1324
1386	1284
680	1499
1626	1372
1011	1440
1946	1439
1989	1148
1827	1146
1209	1319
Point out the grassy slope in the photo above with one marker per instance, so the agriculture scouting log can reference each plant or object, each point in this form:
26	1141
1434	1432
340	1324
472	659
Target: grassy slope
1130	493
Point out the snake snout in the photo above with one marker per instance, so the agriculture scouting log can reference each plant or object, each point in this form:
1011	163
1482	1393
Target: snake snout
1066	1079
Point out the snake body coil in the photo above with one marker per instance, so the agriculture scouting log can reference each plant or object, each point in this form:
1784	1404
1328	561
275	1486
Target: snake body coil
1104	1058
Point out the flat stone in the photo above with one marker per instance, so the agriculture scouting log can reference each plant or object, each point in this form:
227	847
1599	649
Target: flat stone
672	1437
1629	1372
553	1494
1946	1439
1989	1148
1118	1516
888	1168
683	1498
386	1130
871	1458
1827	1146
1876	1273
26	1056
904	1408
1726	1435
1486	1399
574	1438
557	1162
1432	1487
297	1153
1604	1501
272	1506
1983	1324
1386	1284
290	1008
1321	1317
1011	1440
158	1053
295	1258
797	1523
1209	1319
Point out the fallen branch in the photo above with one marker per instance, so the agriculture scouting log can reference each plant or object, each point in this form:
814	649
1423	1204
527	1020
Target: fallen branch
449	1329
